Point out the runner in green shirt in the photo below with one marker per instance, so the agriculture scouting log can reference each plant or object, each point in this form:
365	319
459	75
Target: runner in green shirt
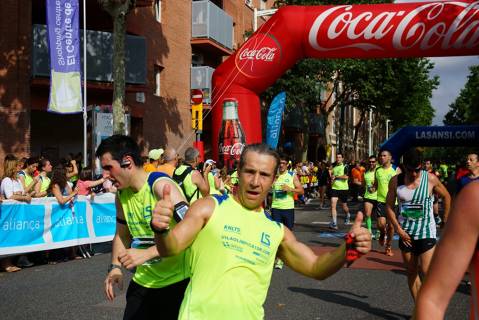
370	196
155	280
382	176
234	243
340	191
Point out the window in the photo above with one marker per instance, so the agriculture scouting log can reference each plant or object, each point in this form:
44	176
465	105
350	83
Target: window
158	70
158	10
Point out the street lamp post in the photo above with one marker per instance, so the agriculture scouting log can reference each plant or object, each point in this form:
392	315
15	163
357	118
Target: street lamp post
387	128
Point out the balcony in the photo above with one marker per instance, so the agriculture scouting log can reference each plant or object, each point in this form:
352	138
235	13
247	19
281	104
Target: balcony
211	28
201	79
99	56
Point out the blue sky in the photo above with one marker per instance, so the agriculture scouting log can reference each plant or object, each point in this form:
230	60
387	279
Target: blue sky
452	72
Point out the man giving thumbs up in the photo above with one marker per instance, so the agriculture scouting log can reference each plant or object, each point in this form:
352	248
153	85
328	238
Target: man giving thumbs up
233	244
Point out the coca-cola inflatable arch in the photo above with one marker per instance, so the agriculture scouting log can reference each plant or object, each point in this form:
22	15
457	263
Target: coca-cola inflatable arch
447	28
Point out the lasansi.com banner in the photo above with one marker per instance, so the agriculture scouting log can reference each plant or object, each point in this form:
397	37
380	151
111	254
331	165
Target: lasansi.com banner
64	48
44	224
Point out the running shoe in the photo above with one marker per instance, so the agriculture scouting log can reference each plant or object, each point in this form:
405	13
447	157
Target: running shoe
279	264
347	220
333	226
389	251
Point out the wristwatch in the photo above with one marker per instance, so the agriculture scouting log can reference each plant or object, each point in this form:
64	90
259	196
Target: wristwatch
113	266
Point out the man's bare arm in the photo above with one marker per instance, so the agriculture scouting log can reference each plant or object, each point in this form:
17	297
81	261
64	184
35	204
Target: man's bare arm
303	260
201	182
441	190
452	256
184	233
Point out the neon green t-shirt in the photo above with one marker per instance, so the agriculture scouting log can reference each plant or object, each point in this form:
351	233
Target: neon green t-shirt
45	183
191	189
283	199
340	184
369	181
383	176
211	182
232	261
137	207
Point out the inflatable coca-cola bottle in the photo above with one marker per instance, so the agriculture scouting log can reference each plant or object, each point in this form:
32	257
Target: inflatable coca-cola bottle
231	139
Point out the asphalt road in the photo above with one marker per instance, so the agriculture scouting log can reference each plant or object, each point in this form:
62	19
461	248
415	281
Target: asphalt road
374	287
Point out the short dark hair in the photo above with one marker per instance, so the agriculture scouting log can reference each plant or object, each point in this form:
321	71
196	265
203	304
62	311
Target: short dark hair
412	158
120	146
385	150
283	156
372	157
261	148
32	160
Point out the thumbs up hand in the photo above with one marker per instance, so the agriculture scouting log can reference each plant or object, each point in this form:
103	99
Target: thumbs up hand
163	211
361	236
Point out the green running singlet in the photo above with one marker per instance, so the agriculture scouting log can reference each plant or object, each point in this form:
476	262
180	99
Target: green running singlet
369	181
340	184
45	183
283	199
190	188
382	177
137	207
415	207
232	261
211	182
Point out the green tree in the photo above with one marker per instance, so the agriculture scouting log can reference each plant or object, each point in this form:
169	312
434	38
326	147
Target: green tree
465	109
118	9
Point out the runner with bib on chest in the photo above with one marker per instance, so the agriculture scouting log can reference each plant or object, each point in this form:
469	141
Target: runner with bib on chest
156	279
234	243
416	226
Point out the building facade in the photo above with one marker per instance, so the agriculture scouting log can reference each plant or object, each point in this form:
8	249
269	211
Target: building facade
171	47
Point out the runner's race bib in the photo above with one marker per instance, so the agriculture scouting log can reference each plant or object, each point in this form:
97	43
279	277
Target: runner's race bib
412	211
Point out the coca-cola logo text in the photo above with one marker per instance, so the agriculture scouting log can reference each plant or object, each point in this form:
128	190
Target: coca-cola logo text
265	54
423	27
259	56
233	150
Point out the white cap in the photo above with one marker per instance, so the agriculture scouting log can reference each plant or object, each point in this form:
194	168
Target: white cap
210	161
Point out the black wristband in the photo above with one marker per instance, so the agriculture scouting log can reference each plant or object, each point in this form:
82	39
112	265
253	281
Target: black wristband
113	266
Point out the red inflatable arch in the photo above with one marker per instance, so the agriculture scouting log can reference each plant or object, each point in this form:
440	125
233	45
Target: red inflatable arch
346	31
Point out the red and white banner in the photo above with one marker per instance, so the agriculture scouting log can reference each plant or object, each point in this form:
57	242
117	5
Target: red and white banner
447	28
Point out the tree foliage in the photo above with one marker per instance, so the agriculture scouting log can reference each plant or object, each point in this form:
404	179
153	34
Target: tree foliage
465	109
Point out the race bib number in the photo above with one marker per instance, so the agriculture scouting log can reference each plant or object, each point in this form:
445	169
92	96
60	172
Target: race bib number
412	211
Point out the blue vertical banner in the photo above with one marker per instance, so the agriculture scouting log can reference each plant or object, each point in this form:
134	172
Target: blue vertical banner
275	117
64	47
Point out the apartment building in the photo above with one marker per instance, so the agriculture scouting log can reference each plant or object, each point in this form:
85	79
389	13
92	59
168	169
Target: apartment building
171	47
